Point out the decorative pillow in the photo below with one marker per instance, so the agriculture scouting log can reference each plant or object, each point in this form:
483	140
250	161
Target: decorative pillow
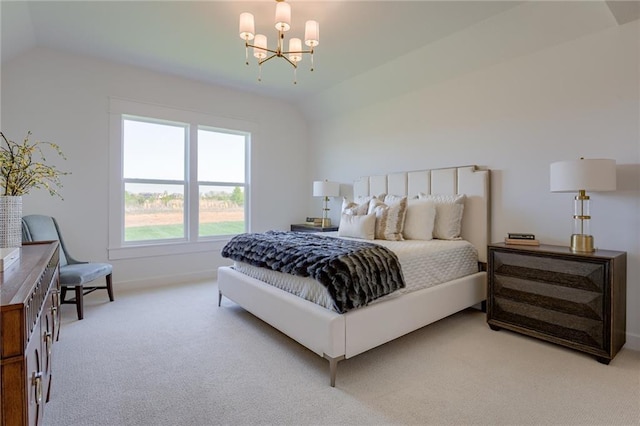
390	199
359	206
449	210
419	220
357	226
389	218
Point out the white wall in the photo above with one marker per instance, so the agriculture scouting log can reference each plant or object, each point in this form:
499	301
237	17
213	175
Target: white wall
512	114
515	117
64	99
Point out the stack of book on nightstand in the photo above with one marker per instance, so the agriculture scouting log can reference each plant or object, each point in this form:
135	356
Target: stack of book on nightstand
314	221
521	239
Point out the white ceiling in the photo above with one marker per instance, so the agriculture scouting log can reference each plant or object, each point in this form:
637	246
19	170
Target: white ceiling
199	39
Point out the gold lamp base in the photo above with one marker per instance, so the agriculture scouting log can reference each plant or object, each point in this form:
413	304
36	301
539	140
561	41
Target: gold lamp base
582	243
326	222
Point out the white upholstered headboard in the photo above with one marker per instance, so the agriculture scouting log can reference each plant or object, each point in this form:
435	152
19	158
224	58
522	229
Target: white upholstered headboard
469	180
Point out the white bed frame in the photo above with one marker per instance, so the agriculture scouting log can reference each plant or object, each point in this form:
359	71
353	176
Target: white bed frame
337	336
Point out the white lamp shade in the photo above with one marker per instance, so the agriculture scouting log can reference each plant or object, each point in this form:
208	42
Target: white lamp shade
584	174
283	16
324	188
261	44
312	33
247	26
295	45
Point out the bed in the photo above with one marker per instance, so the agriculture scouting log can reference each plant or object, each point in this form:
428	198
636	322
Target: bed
337	336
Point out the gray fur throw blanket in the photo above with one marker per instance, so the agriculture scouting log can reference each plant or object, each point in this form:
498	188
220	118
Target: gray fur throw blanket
354	272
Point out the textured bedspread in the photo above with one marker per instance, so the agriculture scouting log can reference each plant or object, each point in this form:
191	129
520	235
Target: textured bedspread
354	272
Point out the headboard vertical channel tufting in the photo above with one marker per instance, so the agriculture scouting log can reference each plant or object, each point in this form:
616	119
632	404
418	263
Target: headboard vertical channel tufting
471	181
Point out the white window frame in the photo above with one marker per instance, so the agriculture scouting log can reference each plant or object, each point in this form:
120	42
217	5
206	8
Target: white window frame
119	109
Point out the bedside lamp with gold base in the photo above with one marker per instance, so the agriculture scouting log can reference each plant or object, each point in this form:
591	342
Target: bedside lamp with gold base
581	176
326	189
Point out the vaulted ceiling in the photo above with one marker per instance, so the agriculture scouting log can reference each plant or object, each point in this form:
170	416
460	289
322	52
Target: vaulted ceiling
199	39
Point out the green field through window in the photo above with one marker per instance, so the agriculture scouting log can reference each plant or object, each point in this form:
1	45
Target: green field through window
160	232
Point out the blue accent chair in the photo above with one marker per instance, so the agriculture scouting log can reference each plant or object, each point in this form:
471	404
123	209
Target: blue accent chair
73	273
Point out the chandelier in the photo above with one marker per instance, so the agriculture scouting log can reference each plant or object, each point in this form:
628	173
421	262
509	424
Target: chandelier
282	23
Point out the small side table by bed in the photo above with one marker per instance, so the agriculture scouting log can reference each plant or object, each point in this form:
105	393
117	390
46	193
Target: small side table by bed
577	300
303	227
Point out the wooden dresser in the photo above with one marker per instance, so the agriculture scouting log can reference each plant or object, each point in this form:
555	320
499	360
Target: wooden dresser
577	300
30	319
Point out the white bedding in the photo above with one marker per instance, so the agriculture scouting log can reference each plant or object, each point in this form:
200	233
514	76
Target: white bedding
424	264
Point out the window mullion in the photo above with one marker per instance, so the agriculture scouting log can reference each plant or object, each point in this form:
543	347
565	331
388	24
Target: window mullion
192	183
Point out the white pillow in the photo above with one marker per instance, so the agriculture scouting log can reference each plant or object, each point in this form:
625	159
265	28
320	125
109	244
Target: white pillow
359	206
449	210
357	226
389	218
390	199
419	220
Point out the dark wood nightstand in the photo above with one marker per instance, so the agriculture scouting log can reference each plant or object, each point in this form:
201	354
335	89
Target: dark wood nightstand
303	227
577	300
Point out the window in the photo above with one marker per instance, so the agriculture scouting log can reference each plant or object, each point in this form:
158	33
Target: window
154	179
180	185
220	183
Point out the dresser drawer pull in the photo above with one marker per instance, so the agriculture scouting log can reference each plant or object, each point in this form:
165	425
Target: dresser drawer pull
47	342
36	380
54	312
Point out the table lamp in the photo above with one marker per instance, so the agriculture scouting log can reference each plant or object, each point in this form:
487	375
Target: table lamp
581	176
326	189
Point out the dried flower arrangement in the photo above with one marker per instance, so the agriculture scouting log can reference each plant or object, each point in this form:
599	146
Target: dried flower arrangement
23	167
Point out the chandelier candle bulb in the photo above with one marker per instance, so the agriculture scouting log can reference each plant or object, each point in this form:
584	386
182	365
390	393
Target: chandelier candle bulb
247	26
295	46
259	50
312	33
283	16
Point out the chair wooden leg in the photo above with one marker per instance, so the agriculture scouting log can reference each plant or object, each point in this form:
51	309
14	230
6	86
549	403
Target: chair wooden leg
63	294
79	301
109	288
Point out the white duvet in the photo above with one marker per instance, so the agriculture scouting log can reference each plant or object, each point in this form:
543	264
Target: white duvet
424	264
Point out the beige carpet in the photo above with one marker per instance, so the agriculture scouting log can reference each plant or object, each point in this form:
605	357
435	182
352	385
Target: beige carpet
170	356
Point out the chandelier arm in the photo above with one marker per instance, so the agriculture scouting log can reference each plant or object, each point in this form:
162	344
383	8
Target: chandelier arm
297	51
275	55
275	52
293	64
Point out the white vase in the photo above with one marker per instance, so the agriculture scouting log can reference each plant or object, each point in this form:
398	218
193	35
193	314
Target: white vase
10	221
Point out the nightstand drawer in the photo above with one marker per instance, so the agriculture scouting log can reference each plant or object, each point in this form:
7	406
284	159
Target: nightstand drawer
581	329
588	304
581	275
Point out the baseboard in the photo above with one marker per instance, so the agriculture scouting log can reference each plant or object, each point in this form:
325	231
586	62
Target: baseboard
633	342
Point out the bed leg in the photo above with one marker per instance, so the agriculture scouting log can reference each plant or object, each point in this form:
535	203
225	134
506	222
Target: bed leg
333	368
219	298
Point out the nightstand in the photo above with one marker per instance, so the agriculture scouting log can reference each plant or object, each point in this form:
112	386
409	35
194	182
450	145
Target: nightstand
303	227
577	300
